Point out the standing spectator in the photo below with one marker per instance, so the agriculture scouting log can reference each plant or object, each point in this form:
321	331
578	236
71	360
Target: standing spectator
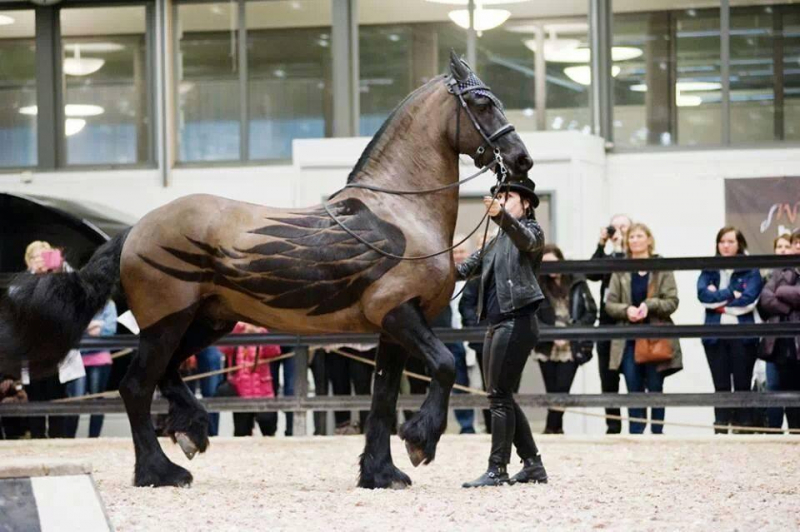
465	417
610	245
253	380
730	297
98	363
346	376
206	361
41	258
642	298
780	303
468	309
288	383
796	241
11	391
781	246
567	302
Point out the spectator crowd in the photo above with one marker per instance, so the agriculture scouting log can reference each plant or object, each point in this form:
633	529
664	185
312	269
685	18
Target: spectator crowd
740	296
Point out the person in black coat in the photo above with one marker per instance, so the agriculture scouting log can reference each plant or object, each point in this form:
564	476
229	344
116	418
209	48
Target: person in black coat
509	296
609	378
567	302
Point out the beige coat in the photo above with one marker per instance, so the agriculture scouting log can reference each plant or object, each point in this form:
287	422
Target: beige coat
660	307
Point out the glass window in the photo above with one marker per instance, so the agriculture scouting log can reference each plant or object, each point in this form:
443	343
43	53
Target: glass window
17	89
668	92
106	77
289	74
790	28
208	82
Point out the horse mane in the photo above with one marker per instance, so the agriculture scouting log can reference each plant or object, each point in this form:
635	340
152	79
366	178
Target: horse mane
367	153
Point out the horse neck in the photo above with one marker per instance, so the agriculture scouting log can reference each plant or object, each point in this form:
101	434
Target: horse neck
414	153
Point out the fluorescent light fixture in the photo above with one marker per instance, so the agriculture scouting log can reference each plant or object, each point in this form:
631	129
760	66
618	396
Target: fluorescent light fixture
94	47
570	51
73	126
583	73
684	86
485	19
82	66
71	110
5	20
683	100
482	2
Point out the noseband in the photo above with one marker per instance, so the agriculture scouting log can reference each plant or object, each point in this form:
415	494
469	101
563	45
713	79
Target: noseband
458	89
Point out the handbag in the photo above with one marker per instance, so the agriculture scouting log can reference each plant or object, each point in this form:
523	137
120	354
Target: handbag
649	351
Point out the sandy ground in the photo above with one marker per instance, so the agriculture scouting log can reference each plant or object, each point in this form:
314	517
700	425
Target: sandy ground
609	483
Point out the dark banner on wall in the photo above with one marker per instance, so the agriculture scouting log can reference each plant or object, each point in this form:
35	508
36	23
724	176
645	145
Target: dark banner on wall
763	209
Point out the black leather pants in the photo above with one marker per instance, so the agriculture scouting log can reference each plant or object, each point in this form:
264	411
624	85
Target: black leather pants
505	351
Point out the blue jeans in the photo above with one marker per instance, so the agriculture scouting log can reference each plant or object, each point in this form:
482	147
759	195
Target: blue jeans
73	388
465	417
210	359
641	378
97	381
288	386
774	414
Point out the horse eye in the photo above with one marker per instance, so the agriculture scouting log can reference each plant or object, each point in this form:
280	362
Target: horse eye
482	104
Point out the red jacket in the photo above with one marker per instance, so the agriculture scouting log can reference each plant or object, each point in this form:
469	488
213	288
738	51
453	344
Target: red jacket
251	380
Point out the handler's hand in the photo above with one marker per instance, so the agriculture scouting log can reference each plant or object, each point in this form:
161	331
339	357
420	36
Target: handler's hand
492	205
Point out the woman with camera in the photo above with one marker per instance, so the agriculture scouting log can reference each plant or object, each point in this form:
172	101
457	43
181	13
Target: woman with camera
567	302
644	298
509	297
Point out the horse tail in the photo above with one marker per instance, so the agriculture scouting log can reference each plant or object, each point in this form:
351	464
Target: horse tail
42	317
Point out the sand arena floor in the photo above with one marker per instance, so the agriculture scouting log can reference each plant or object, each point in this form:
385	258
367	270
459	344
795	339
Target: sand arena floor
608	483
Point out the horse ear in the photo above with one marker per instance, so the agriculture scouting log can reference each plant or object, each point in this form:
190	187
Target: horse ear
458	68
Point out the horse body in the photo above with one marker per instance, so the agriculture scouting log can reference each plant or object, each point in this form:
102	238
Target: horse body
194	267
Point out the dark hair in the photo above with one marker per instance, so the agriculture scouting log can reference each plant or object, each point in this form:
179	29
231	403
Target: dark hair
740	239
549	286
795	236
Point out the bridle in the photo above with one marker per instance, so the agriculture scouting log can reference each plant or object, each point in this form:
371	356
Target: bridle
458	88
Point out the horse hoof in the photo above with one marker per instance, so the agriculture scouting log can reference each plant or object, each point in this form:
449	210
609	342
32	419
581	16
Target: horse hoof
415	454
187	445
398	485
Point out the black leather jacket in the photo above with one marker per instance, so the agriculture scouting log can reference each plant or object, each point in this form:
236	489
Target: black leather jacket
515	255
582	311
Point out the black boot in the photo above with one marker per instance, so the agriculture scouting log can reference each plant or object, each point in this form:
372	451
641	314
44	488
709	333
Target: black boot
494	476
532	472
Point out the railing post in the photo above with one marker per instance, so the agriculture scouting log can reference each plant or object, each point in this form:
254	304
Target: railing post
300	388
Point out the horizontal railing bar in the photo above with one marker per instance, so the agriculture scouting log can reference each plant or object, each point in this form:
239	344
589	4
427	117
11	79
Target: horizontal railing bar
363	402
475	334
598	266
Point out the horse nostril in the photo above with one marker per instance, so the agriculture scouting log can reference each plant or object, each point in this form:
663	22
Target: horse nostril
524	163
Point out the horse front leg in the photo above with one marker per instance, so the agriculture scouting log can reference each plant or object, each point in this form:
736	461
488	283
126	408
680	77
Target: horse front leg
407	325
377	468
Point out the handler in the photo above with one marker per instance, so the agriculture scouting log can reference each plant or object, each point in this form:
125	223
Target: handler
509	296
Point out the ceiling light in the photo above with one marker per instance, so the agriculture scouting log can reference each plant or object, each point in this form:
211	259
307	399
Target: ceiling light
5	20
583	73
279	73
70	110
682	100
570	51
485	19
94	47
482	2
73	126
684	86
82	66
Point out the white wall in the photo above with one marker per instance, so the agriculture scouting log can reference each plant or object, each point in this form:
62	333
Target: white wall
680	195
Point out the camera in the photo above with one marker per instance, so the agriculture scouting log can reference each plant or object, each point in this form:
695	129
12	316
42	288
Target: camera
52	259
611	230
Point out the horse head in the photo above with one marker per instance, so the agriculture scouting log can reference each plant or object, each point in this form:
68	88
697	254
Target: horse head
481	128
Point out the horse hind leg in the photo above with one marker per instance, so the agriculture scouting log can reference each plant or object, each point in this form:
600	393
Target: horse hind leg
188	421
407	325
157	343
377	468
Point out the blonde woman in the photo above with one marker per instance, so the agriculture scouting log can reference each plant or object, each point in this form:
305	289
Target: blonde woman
642	298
